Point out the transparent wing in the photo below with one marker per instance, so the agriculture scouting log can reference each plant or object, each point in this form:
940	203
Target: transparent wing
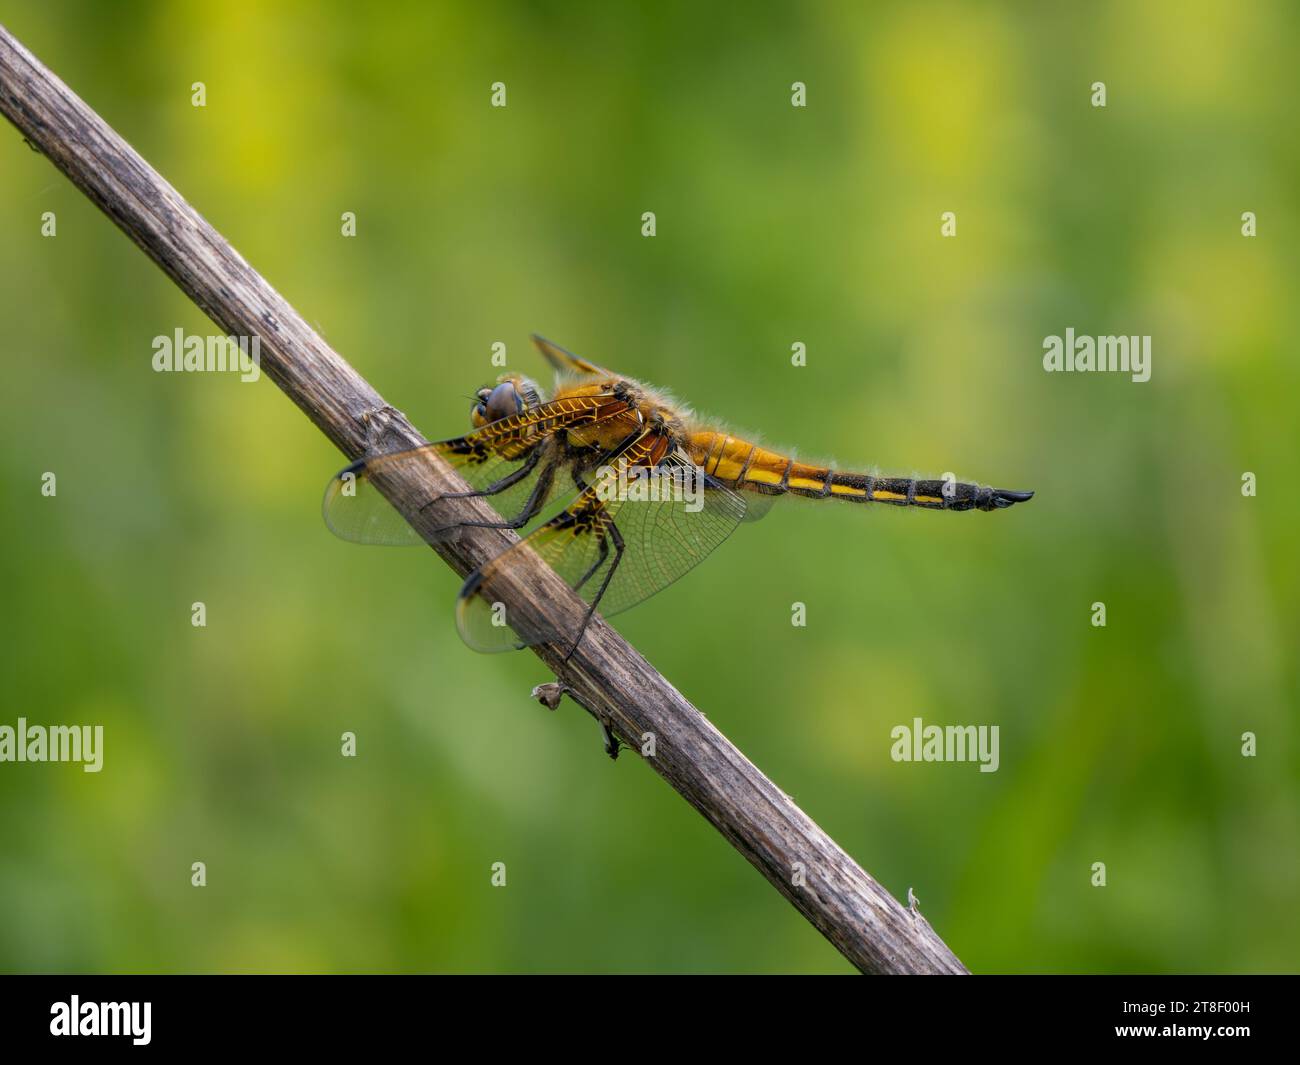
566	361
356	509
617	543
757	504
501	461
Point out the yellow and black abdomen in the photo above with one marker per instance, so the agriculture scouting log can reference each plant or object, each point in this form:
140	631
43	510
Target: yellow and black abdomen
746	466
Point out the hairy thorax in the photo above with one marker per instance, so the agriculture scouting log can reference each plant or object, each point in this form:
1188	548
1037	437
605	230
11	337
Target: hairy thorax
645	409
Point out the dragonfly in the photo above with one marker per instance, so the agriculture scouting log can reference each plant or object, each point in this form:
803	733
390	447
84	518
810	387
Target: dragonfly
649	490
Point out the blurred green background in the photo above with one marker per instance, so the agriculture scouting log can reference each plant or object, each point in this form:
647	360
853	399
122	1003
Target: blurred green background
1118	744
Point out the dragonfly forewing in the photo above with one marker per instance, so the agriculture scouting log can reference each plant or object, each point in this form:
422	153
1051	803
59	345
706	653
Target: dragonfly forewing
356	508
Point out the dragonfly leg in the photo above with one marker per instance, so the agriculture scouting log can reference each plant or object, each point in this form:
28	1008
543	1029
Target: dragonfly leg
509	480
536	500
617	539
600	561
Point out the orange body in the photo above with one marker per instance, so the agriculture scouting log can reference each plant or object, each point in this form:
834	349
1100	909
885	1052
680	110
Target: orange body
741	464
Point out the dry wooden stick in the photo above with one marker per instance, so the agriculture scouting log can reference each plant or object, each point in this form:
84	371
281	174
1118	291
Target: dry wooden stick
607	676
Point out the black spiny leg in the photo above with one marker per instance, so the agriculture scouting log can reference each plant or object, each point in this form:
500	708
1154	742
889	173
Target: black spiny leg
495	487
533	507
611	742
581	482
600	561
617	538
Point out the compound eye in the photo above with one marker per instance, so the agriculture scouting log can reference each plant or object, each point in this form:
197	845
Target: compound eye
502	402
478	416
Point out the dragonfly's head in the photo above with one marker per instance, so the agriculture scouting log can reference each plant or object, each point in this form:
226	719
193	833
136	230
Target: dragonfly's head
512	394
